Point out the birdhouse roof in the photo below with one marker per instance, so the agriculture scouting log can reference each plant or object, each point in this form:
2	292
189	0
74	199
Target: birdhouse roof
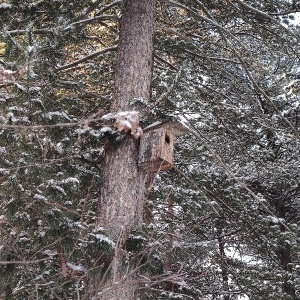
176	127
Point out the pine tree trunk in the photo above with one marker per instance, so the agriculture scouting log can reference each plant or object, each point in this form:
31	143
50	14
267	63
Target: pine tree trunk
122	194
223	259
121	199
285	257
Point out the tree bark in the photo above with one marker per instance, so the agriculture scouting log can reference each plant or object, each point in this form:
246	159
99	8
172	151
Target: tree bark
121	198
223	259
285	257
135	53
122	194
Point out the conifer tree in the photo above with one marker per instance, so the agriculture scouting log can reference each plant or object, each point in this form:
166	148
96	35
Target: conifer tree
223	223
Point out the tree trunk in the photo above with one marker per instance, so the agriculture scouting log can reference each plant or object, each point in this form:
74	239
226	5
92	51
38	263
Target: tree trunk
122	194
223	259
285	257
121	198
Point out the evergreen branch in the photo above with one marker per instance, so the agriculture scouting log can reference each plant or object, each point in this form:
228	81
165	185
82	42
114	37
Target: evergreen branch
94	118
233	79
57	205
205	142
46	162
242	62
284	13
266	16
45	126
165	62
109	6
170	89
92	20
212	58
90	56
210	21
260	90
202	190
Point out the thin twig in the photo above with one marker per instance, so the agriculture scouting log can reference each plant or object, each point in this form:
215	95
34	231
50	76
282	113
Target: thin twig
22	262
95	19
165	62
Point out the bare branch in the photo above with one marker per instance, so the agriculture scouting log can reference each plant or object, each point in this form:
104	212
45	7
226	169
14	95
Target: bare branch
22	262
95	19
17	32
90	56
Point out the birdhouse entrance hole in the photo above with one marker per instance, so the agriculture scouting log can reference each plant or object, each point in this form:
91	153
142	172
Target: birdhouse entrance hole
167	138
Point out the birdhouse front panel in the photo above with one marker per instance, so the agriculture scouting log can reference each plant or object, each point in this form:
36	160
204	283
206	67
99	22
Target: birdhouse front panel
157	149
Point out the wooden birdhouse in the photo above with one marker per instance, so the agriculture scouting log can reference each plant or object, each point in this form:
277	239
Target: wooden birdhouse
157	145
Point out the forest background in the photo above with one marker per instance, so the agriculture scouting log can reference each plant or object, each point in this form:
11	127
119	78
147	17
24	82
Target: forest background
223	223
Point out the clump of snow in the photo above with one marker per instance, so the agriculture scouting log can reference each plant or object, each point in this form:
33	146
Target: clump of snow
35	89
105	129
59	147
54	184
273	220
77	268
5	5
20	87
102	238
73	180
49	253
97	233
128	115
30	49
39	197
4	171
52	114
42	233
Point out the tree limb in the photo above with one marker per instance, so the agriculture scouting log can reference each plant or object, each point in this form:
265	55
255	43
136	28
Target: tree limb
90	56
94	118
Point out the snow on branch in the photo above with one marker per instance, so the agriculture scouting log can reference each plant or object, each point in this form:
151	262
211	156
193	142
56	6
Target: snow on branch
126	121
94	118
